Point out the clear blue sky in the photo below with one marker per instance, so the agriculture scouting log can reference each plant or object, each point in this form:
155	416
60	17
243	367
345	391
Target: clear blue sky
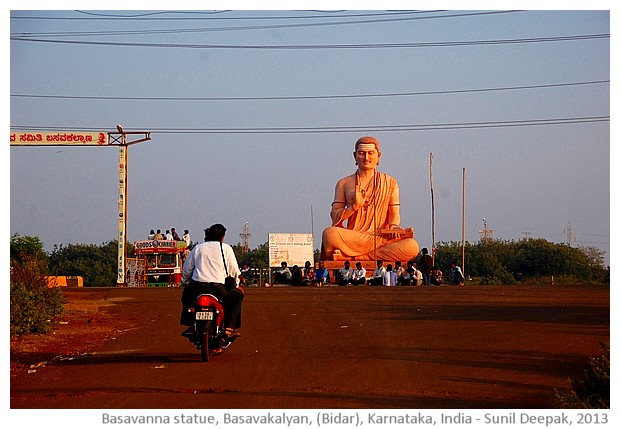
254	114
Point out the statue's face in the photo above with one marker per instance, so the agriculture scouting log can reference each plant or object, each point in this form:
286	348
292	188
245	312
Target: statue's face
367	156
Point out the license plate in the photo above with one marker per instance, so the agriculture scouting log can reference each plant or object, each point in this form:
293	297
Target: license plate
204	315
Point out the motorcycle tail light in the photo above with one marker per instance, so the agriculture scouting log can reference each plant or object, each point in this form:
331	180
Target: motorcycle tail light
205	301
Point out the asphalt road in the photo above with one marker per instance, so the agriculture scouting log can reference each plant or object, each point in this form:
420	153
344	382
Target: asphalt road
366	347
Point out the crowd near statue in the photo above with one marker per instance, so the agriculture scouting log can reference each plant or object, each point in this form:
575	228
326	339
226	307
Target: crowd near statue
365	214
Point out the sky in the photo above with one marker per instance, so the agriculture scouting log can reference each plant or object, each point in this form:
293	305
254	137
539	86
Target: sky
253	116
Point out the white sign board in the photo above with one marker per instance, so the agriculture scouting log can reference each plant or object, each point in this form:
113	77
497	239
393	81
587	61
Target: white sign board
294	249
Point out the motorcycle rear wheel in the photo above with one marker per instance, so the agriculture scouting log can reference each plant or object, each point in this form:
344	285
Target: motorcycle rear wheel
205	353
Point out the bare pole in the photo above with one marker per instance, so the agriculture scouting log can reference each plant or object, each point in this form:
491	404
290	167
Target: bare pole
432	208
463	228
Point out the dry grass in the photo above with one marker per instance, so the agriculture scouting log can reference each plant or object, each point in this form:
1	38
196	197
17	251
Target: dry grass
82	328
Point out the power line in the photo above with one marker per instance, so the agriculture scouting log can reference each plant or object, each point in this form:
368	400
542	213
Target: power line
356	129
269	27
312	97
326	46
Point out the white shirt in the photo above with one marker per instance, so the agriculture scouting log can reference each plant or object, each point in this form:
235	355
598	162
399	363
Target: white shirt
358	274
205	263
346	273
186	239
389	278
379	272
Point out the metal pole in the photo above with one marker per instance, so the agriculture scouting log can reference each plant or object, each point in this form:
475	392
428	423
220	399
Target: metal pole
122	211
432	208
463	226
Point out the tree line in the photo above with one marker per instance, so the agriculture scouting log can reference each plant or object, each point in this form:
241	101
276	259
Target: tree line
489	262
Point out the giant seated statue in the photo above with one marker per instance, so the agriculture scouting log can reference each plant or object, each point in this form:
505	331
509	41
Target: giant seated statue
366	214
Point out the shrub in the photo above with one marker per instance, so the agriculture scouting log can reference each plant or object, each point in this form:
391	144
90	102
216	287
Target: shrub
33	304
591	389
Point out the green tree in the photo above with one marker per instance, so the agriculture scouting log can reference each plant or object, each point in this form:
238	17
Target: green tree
96	264
27	250
505	262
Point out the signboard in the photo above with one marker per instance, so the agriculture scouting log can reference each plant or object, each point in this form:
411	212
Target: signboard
159	246
294	249
61	138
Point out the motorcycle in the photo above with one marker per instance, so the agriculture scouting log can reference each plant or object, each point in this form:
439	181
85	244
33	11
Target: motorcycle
209	334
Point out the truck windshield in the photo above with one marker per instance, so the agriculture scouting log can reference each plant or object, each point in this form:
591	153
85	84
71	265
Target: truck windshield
167	260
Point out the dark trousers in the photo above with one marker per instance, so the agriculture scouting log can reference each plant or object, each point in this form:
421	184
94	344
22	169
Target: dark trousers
231	301
426	278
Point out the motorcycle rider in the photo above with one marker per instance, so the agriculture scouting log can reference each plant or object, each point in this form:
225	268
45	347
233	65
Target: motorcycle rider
204	272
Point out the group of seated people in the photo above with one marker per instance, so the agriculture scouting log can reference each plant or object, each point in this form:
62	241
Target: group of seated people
306	276
389	275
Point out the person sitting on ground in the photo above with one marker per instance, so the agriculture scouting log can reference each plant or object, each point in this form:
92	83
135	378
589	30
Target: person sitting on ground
307	274
389	277
359	274
436	276
205	271
415	275
456	274
400	272
283	275
377	275
321	276
345	274
296	276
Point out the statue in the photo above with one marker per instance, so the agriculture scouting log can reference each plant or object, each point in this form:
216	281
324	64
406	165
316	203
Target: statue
368	202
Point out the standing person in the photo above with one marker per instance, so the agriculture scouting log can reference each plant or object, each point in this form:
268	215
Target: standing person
426	266
377	275
151	235
175	234
456	274
168	235
159	235
205	271
359	274
186	237
345	274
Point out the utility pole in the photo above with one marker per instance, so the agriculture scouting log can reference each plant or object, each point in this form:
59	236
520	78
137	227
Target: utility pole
570	238
463	227
430	172
485	234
